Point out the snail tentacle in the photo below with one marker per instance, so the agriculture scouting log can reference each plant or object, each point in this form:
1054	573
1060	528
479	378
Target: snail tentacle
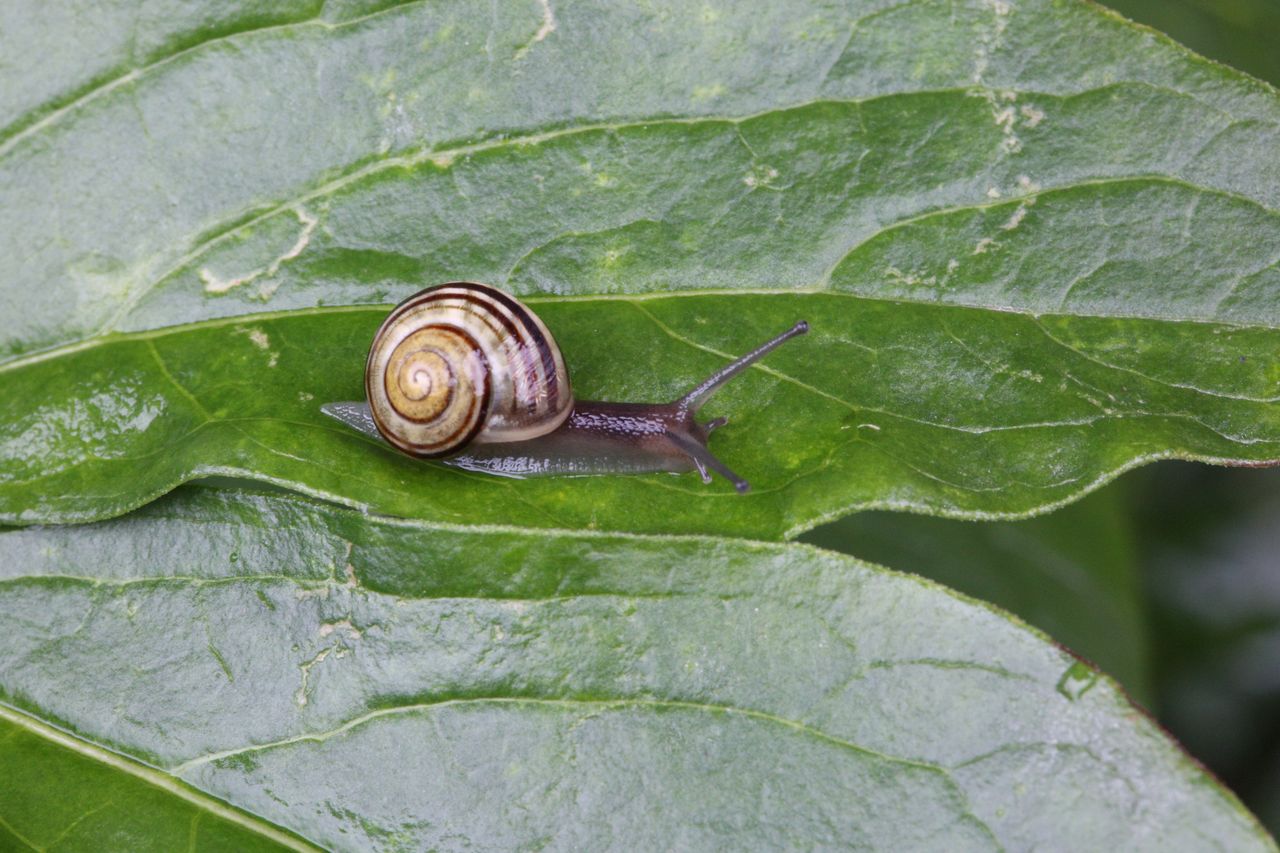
704	459
701	392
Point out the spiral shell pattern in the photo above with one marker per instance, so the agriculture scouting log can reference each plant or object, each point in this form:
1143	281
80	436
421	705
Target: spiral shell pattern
461	363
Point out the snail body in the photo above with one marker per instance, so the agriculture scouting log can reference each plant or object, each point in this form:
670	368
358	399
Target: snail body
466	374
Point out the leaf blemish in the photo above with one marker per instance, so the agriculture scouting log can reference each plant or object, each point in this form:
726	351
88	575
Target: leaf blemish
547	28
216	283
762	176
1004	119
222	662
708	93
1076	681
982	54
303	593
910	279
262	341
1031	115
348	570
341	625
300	697
1018	215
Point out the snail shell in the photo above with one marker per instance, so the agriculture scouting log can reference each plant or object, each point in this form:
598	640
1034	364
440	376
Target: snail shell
464	363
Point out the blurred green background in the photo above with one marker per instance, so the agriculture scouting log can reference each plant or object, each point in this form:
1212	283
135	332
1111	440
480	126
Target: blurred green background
1168	578
1244	34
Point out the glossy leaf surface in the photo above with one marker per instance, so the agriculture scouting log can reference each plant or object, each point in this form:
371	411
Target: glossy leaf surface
1030	260
368	682
884	423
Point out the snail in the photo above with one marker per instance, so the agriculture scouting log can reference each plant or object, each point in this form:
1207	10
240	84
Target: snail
466	374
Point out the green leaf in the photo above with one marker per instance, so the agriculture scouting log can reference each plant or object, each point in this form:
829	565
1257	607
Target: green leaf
136	415
371	682
60	793
1031	259
1074	574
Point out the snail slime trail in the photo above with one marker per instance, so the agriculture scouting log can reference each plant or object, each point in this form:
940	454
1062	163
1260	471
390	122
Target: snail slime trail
466	374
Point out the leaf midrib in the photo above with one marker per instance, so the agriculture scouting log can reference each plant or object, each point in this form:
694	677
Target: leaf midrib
380	309
151	775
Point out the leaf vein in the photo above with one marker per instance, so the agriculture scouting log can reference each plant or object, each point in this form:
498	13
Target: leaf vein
27	125
620	703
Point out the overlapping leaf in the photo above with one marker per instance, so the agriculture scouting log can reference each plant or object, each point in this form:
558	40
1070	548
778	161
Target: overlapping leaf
377	683
1030	260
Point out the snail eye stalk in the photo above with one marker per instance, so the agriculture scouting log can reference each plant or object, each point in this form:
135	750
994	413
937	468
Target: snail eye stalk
695	399
691	439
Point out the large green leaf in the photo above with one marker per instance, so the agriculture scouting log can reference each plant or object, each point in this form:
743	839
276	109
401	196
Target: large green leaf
1031	259
400	684
135	415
